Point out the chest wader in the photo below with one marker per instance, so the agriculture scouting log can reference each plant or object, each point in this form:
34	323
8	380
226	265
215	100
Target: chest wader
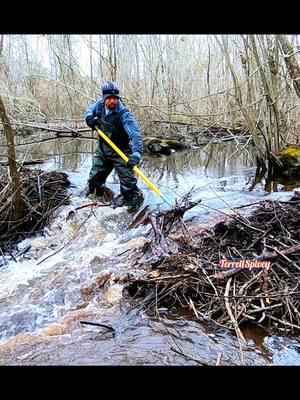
106	159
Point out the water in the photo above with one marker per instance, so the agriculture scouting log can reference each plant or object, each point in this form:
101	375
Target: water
221	174
75	270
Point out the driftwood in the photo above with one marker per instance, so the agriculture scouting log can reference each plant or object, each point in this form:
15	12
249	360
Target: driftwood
203	126
53	127
163	222
29	162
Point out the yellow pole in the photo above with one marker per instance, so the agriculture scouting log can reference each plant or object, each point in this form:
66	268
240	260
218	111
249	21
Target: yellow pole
135	169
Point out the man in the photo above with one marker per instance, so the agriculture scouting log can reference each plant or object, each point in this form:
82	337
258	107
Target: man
116	121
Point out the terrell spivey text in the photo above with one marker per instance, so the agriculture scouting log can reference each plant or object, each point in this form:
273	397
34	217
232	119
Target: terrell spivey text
245	264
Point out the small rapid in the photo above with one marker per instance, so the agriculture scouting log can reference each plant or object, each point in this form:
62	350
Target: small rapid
76	270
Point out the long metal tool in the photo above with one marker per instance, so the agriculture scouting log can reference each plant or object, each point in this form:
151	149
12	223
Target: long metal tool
135	169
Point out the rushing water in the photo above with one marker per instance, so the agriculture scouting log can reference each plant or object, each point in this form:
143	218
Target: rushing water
73	272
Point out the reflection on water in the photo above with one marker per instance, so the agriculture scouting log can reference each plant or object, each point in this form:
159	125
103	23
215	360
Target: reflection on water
186	168
220	174
257	334
287	184
214	160
75	155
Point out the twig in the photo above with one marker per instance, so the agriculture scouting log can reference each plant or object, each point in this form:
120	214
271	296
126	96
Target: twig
236	327
230	272
284	322
189	356
273	256
108	327
95	203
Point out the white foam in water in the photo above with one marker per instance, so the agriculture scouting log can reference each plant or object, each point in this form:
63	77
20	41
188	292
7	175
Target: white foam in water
37	290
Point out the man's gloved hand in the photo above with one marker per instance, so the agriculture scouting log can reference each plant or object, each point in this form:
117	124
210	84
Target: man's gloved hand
133	161
92	122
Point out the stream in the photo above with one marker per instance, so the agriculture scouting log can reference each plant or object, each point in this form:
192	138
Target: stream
73	271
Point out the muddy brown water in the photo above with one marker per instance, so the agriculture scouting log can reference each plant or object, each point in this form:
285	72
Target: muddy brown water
43	302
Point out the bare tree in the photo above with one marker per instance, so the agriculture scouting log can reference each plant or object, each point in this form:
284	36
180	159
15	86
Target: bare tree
269	95
112	56
91	59
13	170
239	99
175	78
1	44
291	62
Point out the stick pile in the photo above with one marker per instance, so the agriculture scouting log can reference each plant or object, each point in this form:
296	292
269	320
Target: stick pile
41	194
194	278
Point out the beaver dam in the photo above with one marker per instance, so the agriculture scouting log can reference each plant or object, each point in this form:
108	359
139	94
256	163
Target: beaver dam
186	268
41	194
96	264
186	271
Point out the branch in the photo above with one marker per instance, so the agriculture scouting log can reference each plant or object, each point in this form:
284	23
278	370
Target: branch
263	256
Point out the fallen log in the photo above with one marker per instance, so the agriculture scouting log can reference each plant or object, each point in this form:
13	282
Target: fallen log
28	162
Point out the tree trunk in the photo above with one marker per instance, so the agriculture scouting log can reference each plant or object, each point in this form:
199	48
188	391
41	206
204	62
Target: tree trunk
260	156
13	171
91	60
1	44
291	62
270	96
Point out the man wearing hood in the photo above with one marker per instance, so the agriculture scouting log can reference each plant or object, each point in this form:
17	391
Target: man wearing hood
117	122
